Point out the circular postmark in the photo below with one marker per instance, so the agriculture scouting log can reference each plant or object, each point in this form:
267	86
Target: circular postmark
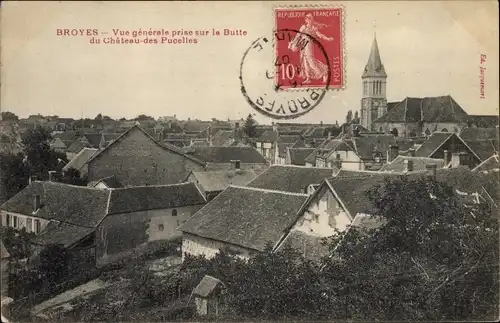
286	76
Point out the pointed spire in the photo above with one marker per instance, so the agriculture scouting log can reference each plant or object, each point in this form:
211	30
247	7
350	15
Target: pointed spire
374	67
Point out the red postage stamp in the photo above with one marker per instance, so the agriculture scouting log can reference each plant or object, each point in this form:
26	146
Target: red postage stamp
313	54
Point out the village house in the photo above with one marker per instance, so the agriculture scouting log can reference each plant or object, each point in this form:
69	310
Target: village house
444	145
106	183
76	147
297	156
342	201
288	178
222	158
79	161
211	183
99	226
491	164
412	164
242	220
141	214
135	158
267	143
58	145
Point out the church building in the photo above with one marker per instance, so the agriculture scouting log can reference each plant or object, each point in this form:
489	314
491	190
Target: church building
411	117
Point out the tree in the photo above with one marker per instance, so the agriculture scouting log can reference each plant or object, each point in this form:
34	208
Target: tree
348	118
356	117
437	257
14	175
98	117
141	117
72	176
250	127
9	116
39	157
17	242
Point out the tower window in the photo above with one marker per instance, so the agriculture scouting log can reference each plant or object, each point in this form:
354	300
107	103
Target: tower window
174	212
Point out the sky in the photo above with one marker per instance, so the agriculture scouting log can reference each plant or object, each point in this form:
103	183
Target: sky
427	48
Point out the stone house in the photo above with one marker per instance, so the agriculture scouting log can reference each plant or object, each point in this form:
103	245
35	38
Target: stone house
443	145
211	183
79	161
98	226
297	156
242	220
135	158
289	178
142	214
234	157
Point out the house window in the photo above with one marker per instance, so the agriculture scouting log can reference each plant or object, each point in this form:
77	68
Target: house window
7	219
338	156
15	221
174	212
38	226
29	225
160	227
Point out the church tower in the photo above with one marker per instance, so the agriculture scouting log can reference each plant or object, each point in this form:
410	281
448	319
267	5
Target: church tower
374	101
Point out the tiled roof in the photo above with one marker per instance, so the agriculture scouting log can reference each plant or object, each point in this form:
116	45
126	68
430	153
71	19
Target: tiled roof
226	154
479	133
348	130
207	286
484	121
77	205
77	145
246	217
428	109
141	198
80	159
310	247
268	136
365	146
219	180
222	138
298	155
490	164
484	149
111	182
61	233
57	143
432	143
94	139
419	164
391	105
290	178
165	146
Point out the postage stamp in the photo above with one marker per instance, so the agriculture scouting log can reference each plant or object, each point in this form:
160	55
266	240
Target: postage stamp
258	75
300	62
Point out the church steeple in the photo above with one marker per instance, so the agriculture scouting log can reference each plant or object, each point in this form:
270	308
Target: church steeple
374	67
373	102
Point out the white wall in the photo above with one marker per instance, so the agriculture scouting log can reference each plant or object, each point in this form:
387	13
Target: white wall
196	246
323	215
22	221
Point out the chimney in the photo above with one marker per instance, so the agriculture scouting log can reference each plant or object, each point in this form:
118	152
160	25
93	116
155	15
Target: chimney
455	160
52	174
32	179
458	159
275	127
392	153
431	170
36	202
329	134
235	164
408	165
447	158
321	123
411	152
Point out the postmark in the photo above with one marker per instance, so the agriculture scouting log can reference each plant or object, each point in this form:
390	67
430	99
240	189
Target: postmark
306	65
260	68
